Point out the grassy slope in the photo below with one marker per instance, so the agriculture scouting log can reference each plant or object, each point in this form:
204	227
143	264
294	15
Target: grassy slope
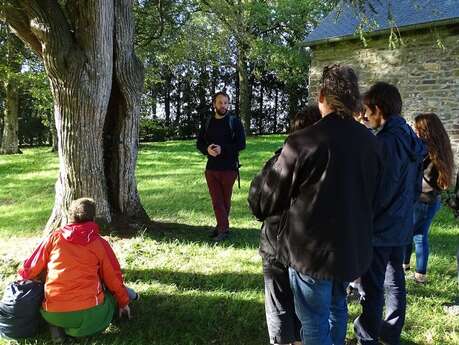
193	291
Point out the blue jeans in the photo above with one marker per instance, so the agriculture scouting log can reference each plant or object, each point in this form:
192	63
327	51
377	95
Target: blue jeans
385	275
321	307
423	216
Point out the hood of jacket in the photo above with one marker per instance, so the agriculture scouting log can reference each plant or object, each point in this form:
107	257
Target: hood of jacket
410	142
80	233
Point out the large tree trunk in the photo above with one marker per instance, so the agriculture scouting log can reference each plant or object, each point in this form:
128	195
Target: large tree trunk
10	140
96	82
123	122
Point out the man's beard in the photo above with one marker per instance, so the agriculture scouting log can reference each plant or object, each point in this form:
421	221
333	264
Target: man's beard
219	112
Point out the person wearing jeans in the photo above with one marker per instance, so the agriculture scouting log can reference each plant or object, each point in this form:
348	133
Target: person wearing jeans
322	308
438	169
384	282
423	216
323	185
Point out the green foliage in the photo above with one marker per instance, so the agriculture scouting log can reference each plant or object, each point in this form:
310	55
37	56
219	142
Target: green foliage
154	130
212	294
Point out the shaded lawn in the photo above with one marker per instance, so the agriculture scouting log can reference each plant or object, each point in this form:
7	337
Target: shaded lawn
193	291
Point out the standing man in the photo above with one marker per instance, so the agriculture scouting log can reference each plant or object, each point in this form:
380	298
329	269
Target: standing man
402	153
220	139
324	183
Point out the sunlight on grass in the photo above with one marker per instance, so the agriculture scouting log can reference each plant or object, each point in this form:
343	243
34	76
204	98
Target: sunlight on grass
192	290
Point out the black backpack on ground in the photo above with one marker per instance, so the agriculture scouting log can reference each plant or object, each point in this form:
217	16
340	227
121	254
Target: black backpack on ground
20	309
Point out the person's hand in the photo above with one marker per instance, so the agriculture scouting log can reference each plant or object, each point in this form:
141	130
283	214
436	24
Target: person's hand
213	150
125	310
218	149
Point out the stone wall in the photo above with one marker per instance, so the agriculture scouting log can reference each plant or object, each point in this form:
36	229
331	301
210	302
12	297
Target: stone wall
425	72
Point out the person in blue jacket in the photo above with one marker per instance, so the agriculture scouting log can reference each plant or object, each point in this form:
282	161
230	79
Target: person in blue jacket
400	185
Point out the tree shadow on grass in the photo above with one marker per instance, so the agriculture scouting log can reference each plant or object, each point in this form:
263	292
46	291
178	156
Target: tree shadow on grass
215	282
188	319
242	238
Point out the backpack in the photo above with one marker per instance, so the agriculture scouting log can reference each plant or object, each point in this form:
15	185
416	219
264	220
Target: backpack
232	118
20	309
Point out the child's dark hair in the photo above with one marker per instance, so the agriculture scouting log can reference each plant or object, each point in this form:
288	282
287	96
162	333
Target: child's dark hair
340	87
305	118
386	97
220	93
82	210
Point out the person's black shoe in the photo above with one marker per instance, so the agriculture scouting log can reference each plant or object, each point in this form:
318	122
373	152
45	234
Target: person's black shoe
58	335
214	233
221	236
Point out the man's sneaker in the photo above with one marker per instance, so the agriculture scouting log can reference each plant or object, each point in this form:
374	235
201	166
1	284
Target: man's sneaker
353	294
57	334
221	236
213	233
452	310
420	278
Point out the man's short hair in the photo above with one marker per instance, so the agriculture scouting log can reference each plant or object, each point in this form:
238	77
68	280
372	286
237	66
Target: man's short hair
82	210
220	93
340	87
386	97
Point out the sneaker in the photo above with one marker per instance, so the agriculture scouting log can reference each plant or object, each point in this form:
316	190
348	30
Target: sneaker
420	278
353	294
452	310
221	236
57	334
213	233
406	267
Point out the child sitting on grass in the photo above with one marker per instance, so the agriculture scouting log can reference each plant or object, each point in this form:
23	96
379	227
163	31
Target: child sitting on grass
83	284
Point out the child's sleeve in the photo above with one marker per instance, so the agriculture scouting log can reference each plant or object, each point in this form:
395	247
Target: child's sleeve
37	262
110	272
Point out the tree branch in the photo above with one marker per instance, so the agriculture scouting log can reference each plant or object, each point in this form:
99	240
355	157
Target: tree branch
16	17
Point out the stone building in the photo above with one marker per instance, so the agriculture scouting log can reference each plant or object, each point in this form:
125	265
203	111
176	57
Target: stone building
413	44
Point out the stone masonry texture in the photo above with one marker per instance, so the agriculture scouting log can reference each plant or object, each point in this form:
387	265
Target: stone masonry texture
425	68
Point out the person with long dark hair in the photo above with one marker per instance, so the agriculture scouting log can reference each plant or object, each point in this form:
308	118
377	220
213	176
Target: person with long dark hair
438	172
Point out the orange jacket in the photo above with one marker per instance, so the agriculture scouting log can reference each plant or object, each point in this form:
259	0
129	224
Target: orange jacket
77	261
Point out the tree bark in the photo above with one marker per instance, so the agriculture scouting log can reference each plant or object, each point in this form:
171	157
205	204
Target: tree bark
123	121
244	93
260	110
96	82
167	98
276	102
10	139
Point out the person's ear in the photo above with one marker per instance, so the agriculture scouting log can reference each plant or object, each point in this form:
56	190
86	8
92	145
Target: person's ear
378	111
321	96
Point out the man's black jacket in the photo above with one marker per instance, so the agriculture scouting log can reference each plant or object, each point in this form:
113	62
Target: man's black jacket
323	186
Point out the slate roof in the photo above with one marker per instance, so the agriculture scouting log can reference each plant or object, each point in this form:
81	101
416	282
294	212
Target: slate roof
381	15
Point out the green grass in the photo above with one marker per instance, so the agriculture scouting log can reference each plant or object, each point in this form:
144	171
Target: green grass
194	291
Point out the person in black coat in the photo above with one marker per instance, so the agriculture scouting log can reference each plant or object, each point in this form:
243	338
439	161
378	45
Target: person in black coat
283	325
324	184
